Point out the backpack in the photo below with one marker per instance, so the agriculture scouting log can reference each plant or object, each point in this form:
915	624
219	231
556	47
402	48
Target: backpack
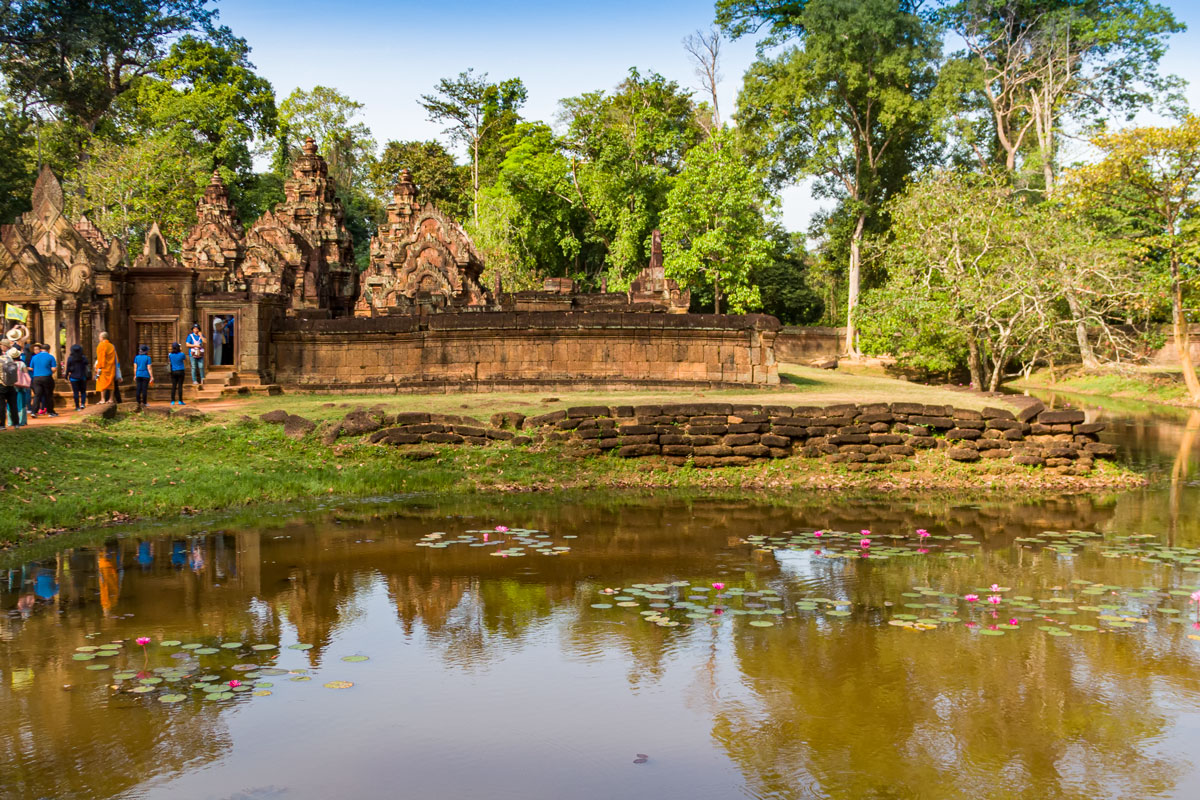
8	371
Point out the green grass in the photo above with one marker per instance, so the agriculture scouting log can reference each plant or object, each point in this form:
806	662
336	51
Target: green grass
1157	386
69	477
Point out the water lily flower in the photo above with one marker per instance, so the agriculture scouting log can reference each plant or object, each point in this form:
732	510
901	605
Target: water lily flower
718	586
865	532
718	611
143	640
994	599
995	587
922	550
233	684
1196	597
922	533
501	529
865	543
485	537
818	534
1012	621
972	598
972	624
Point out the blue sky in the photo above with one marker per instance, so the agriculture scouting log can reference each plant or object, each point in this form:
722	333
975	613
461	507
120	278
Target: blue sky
386	54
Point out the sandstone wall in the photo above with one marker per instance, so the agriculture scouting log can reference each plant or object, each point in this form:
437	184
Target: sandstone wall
798	344
485	350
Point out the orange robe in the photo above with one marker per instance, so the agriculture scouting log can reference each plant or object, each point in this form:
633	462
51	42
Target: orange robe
106	365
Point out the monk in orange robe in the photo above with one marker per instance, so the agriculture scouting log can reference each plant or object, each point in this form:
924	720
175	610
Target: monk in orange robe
106	368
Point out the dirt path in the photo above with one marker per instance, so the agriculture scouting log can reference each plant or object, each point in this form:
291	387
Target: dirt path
69	416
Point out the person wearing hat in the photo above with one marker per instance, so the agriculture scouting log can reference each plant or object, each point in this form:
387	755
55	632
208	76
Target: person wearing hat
10	372
142	375
195	345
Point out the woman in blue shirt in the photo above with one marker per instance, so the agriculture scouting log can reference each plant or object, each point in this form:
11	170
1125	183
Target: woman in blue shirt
142	375
178	368
195	344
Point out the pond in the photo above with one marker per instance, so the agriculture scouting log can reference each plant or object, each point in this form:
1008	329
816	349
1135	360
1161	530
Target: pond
622	646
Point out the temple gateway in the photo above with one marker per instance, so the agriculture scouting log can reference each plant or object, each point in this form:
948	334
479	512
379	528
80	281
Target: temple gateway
292	273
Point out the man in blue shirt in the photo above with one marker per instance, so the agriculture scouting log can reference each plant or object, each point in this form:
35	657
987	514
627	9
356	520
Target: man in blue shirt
41	368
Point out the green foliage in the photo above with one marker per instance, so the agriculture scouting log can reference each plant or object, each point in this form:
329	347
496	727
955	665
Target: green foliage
784	283
716	228
74	57
19	162
625	149
439	180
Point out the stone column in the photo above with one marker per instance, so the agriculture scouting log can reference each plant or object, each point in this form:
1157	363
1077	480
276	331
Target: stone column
71	312
50	316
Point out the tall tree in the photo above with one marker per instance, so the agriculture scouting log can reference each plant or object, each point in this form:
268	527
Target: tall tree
1147	187
625	148
1040	64
716	226
473	107
329	117
704	49
75	57
849	106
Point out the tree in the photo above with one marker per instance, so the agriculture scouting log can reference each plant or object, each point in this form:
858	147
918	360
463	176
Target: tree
1039	63
784	282
328	116
125	188
704	48
849	107
715	227
439	180
473	107
19	162
975	278
75	57
624	150
1147	187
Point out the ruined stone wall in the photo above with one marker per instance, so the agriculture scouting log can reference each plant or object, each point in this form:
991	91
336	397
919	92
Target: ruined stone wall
859	437
797	344
475	351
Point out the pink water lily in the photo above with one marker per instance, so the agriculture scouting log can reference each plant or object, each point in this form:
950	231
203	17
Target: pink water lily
1196	597
922	533
233	684
972	598
143	640
718	586
994	599
865	543
501	529
865	532
818	534
1012	621
995	587
922	550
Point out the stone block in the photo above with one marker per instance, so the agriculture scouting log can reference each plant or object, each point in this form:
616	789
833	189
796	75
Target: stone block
298	427
810	451
747	427
992	444
1054	461
886	438
790	431
972	424
623	411
588	411
997	453
1065	416
427	427
638	450
568	424
807	412
650	438
676	450
922	442
939	423
500	434
647	411
674	438
880	427
777	411
589	434
850	438
704	440
708	430
992	412
1029	410
962	454
637	430
395	436
752	451
417	417
908	408
469	430
961	414
775	440
521	441
1014	435
544	419
739	439
726	461
1100	449
1088	427
821	430
442	438
962	433
1061	452
995	424
854	458
876	417
477	441
609	443
879	458
709	419
853	429
778	452
1028	459
278	416
897	450
993	434
714	450
849	410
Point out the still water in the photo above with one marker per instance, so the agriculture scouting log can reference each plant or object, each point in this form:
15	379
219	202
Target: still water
737	655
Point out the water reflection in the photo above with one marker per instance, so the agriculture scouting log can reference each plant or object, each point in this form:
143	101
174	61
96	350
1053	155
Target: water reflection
496	677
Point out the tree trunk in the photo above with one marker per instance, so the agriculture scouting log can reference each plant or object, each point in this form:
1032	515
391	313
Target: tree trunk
1180	329
717	293
974	362
475	180
854	279
1086	353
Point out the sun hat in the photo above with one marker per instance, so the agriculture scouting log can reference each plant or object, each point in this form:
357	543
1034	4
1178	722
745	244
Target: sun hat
14	353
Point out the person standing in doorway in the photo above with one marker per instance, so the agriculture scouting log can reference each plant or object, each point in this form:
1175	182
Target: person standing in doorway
178	363
78	374
218	339
143	376
43	366
195	345
106	368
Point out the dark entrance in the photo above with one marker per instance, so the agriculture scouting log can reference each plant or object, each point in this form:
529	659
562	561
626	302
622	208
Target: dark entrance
223	331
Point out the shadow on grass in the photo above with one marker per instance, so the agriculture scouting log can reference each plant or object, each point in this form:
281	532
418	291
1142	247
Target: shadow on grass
800	381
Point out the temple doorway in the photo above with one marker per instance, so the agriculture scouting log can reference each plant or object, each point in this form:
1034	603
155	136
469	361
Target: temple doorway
223	331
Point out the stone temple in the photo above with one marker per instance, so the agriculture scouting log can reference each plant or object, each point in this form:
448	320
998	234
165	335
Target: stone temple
298	311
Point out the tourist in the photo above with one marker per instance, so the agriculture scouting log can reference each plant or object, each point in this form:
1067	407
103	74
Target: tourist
42	366
78	374
24	387
195	344
106	368
218	339
143	376
178	369
10	371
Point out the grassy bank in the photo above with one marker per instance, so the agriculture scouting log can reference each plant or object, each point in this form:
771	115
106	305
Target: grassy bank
1159	385
66	477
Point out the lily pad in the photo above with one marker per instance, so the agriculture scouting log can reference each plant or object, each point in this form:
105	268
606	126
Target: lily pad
83	656
231	645
300	646
762	623
262	693
339	685
142	689
97	666
355	659
300	679
170	643
207	651
262	647
123	676
172	698
191	646
601	605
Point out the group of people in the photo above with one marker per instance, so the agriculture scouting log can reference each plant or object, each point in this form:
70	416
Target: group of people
28	370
